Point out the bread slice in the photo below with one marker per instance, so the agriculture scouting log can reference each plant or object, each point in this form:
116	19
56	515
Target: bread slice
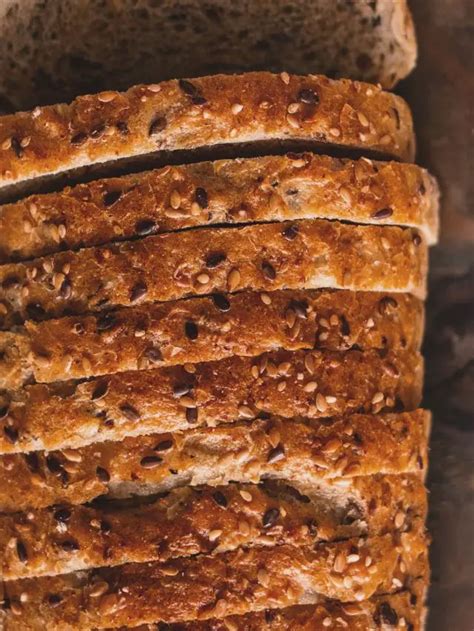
303	383
271	188
208	112
303	452
196	520
307	254
402	610
76	50
244	324
231	583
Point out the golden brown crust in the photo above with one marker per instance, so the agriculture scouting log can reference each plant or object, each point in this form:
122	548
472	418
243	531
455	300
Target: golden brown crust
206	520
313	384
401	611
244	324
208	111
306	254
271	188
231	583
302	452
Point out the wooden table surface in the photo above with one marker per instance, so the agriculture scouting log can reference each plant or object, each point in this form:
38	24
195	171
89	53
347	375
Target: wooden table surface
441	93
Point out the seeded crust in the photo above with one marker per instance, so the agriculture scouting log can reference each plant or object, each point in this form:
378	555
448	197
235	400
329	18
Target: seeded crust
206	520
401	611
303	452
307	254
204	329
232	583
313	384
272	188
183	115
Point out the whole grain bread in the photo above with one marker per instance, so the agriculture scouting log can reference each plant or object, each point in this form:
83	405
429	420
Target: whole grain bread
270	188
402	610
301	451
212	111
313	384
244	324
230	583
306	254
52	51
196	520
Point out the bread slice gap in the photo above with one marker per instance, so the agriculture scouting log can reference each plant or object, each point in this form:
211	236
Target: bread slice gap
304	254
303	451
406	607
307	383
241	191
205	520
279	577
209	112
244	324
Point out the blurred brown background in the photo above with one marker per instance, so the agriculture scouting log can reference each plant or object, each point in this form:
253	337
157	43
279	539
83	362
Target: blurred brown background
441	93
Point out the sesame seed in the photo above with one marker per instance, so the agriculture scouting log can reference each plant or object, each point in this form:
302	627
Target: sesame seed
175	200
285	77
203	278
321	403
334	131
106	97
399	519
293	108
330	399
353	558
246	496
237	108
310	386
214	534
233	279
362	119
377	398
263	577
331	446
245	411
265	298
292	121
327	622
72	455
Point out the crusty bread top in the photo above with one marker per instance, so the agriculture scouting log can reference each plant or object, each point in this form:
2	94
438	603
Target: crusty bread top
214	110
303	383
245	324
227	191
304	452
306	254
208	586
196	520
401	611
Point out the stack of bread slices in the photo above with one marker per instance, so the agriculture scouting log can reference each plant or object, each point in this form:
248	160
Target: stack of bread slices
210	364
